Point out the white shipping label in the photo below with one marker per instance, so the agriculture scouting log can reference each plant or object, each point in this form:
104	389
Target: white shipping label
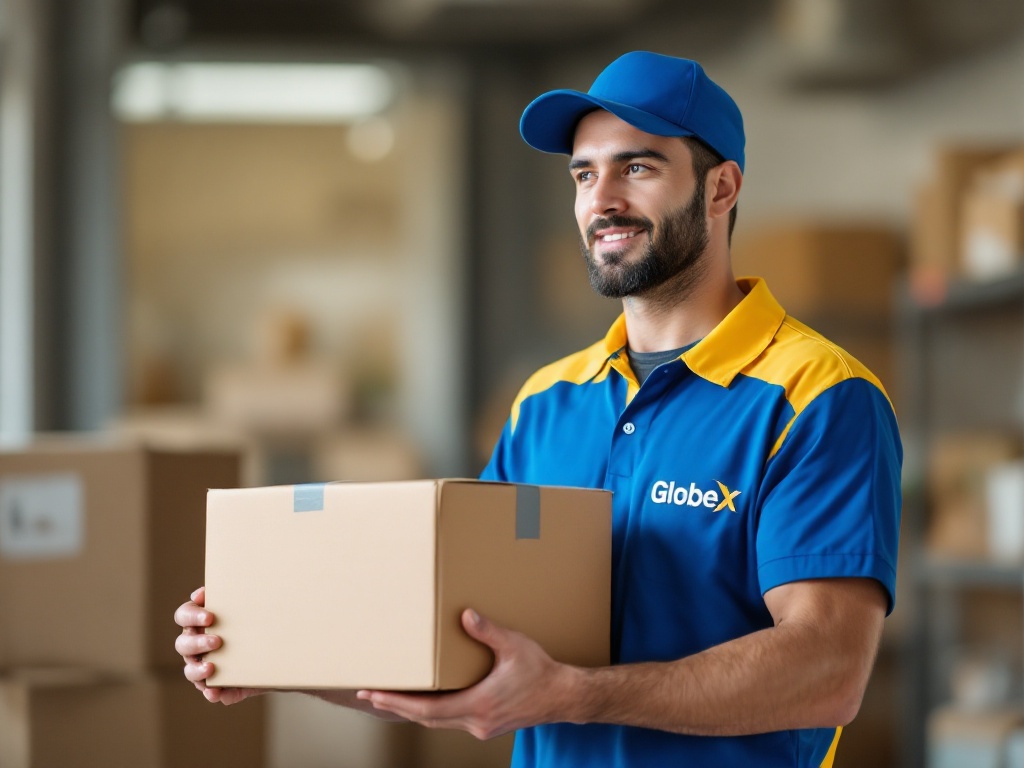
41	516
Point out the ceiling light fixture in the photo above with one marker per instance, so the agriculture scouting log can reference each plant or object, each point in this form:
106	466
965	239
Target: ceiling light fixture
235	92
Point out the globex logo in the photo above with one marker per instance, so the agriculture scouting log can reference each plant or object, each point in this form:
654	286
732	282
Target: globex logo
669	493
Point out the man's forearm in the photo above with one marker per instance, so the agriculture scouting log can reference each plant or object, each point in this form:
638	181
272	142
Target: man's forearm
799	674
753	684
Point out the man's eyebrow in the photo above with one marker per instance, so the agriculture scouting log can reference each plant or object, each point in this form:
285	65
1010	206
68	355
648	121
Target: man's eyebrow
620	157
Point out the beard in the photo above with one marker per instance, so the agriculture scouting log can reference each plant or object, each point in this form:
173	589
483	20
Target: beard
672	251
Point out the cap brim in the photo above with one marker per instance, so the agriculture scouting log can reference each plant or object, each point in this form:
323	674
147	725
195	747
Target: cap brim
549	121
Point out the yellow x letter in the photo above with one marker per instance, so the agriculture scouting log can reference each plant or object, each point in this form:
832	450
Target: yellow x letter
727	497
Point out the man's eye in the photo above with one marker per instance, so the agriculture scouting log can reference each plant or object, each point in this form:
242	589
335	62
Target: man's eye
635	168
584	176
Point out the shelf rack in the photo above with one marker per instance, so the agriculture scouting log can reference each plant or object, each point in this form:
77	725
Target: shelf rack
961	367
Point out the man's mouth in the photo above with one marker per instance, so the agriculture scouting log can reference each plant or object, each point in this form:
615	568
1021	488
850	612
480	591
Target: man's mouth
617	236
614	232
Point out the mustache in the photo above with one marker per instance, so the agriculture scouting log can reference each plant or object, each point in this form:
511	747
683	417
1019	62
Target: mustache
618	221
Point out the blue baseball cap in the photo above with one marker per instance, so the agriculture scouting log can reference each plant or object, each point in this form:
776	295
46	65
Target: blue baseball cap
658	94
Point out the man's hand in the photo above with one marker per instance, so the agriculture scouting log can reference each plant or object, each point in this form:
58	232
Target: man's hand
525	687
194	642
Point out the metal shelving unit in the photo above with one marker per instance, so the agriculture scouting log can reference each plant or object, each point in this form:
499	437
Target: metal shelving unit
961	368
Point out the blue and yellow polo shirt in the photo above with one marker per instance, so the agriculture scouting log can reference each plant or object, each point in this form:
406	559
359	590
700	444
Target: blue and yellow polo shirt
763	455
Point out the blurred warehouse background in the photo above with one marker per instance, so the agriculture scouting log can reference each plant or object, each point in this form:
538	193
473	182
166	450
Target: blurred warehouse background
307	231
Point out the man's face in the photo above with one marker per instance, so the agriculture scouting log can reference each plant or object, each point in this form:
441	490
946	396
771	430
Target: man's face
635	233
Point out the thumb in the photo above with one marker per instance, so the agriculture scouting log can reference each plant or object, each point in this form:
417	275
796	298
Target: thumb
479	628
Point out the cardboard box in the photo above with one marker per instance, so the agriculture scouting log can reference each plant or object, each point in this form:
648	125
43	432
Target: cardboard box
935	231
59	718
373	578
190	428
992	226
99	543
818	269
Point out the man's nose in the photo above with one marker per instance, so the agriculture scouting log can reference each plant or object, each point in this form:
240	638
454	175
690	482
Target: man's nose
606	197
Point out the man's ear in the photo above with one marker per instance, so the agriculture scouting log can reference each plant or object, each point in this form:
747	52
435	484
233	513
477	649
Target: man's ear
724	182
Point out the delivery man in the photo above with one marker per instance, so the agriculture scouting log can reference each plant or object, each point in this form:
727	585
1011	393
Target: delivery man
755	468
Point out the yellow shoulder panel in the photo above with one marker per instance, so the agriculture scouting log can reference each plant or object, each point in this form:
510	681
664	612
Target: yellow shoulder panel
578	368
804	363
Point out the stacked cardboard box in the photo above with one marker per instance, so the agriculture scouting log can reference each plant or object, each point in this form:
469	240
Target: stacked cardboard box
189	428
99	543
936	226
968	217
992	219
74	718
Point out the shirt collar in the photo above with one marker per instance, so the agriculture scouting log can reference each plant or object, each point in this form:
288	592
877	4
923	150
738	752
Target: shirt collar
741	336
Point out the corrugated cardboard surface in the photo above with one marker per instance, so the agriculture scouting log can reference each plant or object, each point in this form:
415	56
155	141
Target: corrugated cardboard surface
139	557
65	719
367	592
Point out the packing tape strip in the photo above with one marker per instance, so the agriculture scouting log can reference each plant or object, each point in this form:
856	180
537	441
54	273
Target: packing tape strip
527	511
308	497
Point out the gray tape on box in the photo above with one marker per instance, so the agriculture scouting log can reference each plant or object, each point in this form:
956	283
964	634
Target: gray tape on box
527	512
308	497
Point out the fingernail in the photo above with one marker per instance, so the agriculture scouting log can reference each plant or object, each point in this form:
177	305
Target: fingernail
474	617
202	616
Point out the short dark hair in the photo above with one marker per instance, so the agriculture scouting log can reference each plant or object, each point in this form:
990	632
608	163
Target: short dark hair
704	159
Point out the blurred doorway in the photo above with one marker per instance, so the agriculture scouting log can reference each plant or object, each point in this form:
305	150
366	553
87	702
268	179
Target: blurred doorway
252	238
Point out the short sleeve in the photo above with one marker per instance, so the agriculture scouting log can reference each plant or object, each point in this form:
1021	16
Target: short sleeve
497	469
831	498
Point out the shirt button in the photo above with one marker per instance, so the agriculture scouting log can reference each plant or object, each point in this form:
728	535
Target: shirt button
628	428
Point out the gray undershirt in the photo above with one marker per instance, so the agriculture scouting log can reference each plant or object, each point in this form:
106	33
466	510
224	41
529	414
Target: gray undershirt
644	363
